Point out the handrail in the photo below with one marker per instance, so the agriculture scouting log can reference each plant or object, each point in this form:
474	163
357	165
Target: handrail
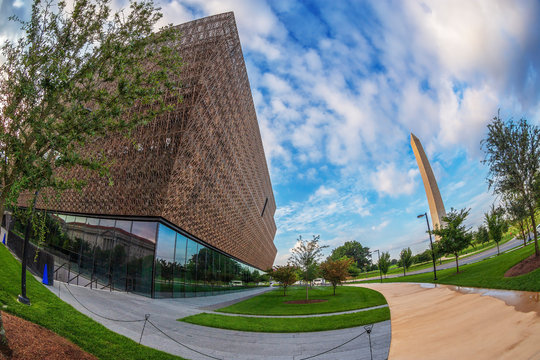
75	277
58	268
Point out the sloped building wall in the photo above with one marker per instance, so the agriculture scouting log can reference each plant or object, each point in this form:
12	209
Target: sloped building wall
202	166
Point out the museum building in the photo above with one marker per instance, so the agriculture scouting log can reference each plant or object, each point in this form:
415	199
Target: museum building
189	208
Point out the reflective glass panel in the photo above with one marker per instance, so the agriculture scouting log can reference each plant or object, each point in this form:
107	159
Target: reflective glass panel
191	268
124	225
139	266
180	266
145	230
164	273
92	221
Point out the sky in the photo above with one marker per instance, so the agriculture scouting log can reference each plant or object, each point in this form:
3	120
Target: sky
338	87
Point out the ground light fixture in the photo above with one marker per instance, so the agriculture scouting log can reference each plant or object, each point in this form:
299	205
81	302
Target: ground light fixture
379	263
431	243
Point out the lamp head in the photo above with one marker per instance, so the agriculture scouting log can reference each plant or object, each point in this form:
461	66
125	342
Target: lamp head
420	216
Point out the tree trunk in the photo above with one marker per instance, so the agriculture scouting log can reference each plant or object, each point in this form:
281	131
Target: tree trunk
3	339
403	270
498	252
335	290
307	290
533	223
522	232
457	263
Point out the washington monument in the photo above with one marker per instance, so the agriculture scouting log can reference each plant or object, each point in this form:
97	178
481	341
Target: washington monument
436	206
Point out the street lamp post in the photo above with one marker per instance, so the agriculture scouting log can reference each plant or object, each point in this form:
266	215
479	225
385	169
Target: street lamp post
379	263
22	297
431	243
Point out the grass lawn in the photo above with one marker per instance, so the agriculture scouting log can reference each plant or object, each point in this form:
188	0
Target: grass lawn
54	314
286	325
488	273
469	251
273	302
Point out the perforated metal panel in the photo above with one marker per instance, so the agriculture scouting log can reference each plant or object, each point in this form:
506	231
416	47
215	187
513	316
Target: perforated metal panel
202	167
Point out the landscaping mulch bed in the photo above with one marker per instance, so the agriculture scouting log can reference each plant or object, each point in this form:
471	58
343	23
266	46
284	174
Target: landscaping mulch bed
526	266
28	341
305	301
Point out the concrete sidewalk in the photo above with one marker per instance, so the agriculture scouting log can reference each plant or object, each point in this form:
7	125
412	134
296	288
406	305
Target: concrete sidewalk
207	343
508	246
449	322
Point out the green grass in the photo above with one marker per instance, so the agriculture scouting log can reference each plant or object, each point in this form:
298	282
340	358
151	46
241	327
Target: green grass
54	314
469	251
488	273
273	302
287	325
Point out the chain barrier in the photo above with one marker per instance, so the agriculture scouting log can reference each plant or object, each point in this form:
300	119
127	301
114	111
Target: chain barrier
146	319
101	316
368	331
179	343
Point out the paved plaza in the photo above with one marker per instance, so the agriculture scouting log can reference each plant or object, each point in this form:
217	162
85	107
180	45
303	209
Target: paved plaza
124	309
450	322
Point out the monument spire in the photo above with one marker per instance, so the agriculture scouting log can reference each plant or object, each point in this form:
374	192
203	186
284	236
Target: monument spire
436	206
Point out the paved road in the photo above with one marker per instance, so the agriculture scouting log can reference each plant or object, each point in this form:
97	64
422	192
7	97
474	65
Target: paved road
217	343
511	244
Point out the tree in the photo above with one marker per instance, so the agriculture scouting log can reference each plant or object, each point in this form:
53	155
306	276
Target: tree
454	236
437	252
354	250
495	224
482	235
515	209
384	262
286	275
336	271
305	256
406	259
422	257
512	152
74	76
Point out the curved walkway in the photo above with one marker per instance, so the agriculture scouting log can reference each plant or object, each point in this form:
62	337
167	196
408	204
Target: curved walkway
207	343
448	322
508	246
299	316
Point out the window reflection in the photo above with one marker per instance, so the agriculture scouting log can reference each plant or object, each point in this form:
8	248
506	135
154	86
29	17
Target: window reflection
165	266
145	230
125	255
180	266
191	268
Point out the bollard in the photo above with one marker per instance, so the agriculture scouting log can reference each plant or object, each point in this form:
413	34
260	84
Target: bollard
146	316
45	279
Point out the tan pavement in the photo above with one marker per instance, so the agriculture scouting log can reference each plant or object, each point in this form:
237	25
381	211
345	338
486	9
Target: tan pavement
447	322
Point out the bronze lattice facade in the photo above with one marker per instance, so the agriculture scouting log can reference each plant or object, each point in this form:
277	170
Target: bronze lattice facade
200	167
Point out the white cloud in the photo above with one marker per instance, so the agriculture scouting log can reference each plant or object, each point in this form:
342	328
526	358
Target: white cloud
380	226
388	180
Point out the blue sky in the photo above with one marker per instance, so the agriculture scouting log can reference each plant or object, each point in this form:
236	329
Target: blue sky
338	87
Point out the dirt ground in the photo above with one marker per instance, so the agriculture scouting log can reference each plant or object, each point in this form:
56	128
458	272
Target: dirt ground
526	266
440	323
29	341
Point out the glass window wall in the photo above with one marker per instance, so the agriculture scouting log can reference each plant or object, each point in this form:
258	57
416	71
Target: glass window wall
144	257
180	266
191	268
164	273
